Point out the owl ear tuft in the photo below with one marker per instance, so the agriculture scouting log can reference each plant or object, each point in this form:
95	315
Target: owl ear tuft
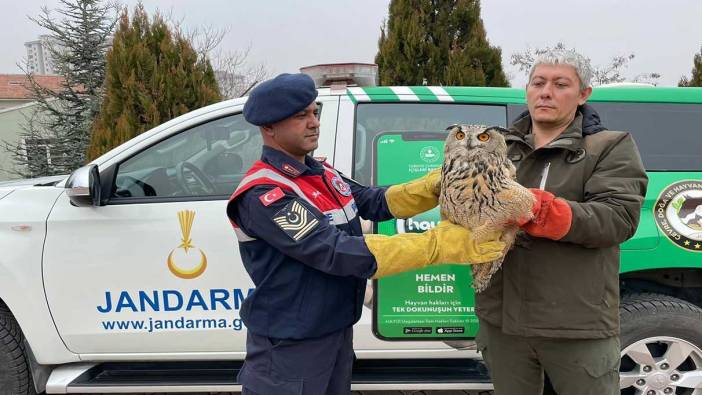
450	127
499	129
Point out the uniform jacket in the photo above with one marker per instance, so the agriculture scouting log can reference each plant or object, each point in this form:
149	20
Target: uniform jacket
570	288
300	240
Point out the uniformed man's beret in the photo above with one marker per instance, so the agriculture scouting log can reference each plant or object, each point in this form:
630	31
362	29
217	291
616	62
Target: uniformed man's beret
279	98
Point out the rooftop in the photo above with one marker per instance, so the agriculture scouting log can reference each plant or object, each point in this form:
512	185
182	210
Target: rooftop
14	86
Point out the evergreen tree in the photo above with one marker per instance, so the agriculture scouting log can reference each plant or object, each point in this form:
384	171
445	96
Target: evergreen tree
153	75
696	79
56	135
437	42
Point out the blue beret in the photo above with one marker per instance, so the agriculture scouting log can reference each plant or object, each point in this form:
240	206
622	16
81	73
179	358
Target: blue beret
279	98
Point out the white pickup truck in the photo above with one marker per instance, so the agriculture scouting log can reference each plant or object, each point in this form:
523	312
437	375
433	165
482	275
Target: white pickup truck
126	276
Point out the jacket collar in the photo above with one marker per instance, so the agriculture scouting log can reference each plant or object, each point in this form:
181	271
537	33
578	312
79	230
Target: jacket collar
570	139
288	165
591	119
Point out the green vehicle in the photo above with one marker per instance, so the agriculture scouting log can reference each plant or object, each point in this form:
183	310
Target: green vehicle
99	295
397	138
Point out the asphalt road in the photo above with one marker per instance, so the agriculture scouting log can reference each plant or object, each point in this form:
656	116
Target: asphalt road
451	392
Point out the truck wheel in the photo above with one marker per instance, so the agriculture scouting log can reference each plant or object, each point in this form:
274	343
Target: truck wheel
14	369
661	346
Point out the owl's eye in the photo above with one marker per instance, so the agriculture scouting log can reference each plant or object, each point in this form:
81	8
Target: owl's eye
460	135
483	137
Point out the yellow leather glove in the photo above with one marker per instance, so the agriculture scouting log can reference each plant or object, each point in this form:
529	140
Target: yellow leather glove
414	197
445	243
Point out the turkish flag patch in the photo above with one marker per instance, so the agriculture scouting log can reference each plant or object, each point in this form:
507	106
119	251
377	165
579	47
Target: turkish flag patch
271	196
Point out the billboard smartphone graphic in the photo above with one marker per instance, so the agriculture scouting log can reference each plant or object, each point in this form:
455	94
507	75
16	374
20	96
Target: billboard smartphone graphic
433	303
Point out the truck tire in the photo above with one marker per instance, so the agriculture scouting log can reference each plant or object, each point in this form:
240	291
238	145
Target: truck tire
15	378
661	345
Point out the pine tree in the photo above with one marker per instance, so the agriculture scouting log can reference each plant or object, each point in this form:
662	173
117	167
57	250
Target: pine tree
63	118
153	75
437	42
696	79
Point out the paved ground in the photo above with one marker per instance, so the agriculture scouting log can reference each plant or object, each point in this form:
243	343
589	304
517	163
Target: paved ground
451	392
454	392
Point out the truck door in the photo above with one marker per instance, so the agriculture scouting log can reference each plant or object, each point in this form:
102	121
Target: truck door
157	268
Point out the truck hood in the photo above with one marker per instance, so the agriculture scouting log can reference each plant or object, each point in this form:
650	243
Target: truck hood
6	187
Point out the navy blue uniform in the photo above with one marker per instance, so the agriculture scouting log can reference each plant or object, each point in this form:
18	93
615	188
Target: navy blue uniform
301	242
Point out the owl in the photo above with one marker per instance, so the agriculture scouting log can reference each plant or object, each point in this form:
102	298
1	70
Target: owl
479	190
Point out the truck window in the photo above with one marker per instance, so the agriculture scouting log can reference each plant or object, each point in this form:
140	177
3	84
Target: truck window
668	135
375	118
203	161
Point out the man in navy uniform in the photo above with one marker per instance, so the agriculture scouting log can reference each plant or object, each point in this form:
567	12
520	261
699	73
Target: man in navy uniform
300	238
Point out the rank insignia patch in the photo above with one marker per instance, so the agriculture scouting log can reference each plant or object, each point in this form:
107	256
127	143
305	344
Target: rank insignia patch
295	220
290	170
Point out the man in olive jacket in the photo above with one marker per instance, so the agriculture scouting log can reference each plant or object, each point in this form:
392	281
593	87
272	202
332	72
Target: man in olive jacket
554	306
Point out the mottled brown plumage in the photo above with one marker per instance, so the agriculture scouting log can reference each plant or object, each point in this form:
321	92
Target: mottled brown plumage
479	190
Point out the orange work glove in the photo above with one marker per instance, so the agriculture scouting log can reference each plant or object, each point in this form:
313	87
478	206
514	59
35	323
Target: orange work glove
552	216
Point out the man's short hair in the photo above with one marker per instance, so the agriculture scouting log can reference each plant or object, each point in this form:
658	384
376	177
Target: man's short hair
566	57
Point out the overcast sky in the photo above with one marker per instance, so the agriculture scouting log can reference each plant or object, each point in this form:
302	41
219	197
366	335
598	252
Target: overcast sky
286	34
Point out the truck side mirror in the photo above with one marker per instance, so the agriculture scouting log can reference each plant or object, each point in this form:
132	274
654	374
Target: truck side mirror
83	186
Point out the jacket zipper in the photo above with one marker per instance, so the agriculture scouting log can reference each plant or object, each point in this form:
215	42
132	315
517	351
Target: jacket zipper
348	223
544	176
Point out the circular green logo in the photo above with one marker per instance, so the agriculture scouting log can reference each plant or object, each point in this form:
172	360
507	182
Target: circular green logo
429	154
678	214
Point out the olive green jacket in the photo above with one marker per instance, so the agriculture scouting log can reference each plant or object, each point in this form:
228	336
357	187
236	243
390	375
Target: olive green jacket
569	288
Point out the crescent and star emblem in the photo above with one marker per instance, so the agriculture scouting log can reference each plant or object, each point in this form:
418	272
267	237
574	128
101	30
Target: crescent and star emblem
186	219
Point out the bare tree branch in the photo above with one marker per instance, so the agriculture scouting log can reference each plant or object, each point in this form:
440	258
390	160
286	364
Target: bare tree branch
602	74
235	75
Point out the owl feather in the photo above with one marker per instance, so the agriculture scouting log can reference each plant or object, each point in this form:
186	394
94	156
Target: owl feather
479	190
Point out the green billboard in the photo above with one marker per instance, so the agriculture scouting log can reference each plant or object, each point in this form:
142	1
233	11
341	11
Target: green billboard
434	303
